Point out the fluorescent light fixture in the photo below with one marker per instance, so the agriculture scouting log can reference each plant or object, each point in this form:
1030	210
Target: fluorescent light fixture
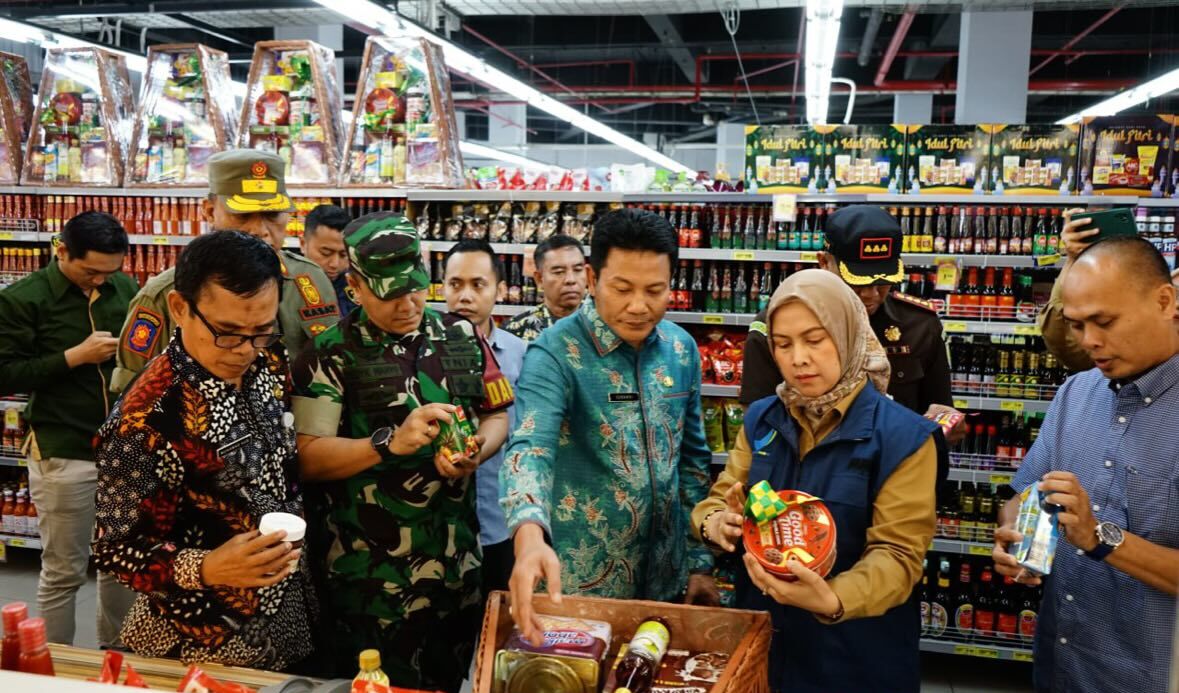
27	33
482	151
1155	88
473	67
822	36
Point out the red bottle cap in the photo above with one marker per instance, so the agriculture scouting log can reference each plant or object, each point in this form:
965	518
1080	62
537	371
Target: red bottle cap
12	614
32	635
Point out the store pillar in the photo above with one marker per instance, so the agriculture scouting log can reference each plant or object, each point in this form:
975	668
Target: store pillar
993	57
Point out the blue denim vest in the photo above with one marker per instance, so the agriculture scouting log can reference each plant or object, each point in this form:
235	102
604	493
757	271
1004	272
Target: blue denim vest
846	469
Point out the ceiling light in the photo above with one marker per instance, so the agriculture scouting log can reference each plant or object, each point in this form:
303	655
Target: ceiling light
461	61
822	37
1128	99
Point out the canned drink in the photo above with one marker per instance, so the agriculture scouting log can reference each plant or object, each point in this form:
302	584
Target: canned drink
456	439
1037	523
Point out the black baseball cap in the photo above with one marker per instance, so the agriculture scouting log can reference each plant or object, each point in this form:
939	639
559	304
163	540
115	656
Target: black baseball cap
866	243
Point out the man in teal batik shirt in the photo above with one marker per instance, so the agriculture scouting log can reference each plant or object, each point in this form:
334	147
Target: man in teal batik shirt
609	457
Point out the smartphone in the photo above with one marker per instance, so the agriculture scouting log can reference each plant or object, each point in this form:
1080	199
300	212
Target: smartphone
1110	223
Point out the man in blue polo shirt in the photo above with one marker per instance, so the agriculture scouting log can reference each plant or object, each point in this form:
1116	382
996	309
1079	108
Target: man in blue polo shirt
1107	455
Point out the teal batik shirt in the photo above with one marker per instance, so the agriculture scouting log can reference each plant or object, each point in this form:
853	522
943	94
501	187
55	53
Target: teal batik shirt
609	457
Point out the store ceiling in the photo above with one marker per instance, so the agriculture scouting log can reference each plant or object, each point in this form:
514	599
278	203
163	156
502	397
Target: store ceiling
636	69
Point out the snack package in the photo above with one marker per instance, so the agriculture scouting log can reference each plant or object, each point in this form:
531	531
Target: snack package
714	425
1037	523
788	523
197	681
456	439
501	224
946	420
734	420
573	652
112	664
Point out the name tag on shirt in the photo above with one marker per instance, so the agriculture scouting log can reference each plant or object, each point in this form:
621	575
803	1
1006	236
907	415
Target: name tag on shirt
624	397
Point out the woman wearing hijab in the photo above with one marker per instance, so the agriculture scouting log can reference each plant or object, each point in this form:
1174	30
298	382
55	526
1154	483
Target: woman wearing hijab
831	432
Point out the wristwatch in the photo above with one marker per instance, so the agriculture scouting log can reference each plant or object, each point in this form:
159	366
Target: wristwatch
380	440
1109	537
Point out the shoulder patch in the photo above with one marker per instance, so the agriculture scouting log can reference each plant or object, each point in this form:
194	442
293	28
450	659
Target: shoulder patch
144	331
759	327
914	301
307	289
316	329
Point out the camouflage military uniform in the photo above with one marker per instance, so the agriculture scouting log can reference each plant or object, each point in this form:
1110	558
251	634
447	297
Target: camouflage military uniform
529	325
308	308
397	545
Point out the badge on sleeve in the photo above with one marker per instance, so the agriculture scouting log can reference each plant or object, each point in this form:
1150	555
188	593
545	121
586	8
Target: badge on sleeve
144	332
306	286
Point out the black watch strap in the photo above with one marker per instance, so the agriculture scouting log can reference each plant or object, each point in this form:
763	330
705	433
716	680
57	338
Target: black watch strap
1099	552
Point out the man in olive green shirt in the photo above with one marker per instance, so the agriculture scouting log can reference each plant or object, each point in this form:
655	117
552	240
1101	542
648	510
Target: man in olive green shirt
247	193
56	346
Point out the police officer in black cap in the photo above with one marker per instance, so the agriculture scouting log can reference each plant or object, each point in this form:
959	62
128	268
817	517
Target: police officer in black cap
864	248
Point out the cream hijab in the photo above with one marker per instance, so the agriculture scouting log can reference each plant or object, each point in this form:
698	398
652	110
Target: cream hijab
841	313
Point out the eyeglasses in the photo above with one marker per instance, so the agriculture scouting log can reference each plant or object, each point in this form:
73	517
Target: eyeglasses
228	340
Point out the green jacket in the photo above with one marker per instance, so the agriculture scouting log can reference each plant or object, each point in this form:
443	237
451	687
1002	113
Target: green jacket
41	316
308	307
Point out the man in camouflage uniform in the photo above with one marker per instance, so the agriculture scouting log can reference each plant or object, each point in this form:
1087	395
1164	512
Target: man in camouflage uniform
247	193
393	526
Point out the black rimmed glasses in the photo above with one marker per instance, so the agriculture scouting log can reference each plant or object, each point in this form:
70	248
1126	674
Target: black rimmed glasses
228	340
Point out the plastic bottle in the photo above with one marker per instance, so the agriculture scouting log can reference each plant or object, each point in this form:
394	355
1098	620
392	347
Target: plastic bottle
370	668
636	671
34	647
12	614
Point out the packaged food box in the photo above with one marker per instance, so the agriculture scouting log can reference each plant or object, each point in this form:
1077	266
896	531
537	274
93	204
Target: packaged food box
947	420
1036	159
1037	524
570	658
1127	155
783	158
788	523
947	159
456	439
864	158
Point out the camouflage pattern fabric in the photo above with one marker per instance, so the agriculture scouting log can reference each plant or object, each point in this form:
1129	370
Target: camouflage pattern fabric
384	249
396	546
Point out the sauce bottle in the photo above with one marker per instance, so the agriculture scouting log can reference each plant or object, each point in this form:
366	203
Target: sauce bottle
12	614
636	671
370	668
34	647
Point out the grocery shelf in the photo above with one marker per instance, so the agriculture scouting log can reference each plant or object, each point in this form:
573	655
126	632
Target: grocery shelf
962	198
972	260
6	461
13	404
749	255
720	390
1034	406
742	319
998	477
500	196
383	192
23	236
507	248
158	239
500	310
1164	202
952	325
165	191
985	650
966	548
21	542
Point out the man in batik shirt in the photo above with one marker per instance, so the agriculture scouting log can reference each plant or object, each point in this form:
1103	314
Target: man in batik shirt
398	546
200	447
609	455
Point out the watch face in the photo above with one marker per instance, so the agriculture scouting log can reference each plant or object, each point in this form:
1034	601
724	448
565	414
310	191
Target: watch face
1110	534
381	437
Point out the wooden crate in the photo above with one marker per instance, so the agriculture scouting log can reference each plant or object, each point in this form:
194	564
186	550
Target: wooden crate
744	634
160	674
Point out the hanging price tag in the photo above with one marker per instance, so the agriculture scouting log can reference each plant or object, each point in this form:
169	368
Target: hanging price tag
808	257
160	240
785	207
1028	330
1010	405
1046	260
713	319
743	255
947	275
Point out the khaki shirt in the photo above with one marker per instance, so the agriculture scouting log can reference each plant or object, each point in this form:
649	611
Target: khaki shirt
308	307
903	517
1055	331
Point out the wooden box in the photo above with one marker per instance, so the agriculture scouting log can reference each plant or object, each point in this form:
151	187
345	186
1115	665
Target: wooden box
186	114
403	130
292	108
16	113
744	634
81	127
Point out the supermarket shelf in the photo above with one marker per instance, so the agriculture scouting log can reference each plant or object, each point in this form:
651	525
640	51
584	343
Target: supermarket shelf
931	259
383	192
13	404
23	236
1071	200
13	462
502	196
508	248
720	390
998	477
742	319
154	239
986	651
749	255
1034	406
165	191
951	325
500	310
966	548
21	542
1171	202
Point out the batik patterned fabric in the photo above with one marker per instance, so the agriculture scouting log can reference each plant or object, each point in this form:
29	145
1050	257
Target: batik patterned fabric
397	544
530	324
609	456
187	461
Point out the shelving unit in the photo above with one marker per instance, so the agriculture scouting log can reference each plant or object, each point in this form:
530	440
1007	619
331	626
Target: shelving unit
18	541
1032	406
9	461
966	548
1008	652
981	476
